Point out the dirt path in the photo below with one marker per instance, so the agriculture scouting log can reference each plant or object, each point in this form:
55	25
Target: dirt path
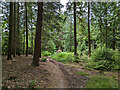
51	74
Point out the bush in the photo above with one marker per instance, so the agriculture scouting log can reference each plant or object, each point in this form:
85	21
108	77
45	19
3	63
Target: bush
43	59
104	59
46	53
64	57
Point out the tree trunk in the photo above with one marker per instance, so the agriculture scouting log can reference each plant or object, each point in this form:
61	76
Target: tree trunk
113	39
89	29
106	27
70	34
18	32
14	41
26	31
10	32
75	42
31	34
37	50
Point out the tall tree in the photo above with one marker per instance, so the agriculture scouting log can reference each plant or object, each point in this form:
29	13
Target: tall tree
26	30
89	29
18	32
10	32
106	25
14	32
37	50
75	42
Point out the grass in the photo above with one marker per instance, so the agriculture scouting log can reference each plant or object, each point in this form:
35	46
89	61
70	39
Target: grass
101	82
82	73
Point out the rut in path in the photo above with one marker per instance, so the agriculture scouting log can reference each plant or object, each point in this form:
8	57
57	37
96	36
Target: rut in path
62	77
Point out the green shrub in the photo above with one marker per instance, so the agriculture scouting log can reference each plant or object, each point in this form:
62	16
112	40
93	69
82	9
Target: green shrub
46	53
104	59
64	57
82	73
43	59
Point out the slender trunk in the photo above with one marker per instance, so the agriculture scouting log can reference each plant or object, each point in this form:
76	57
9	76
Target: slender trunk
106	27
14	41
113	39
31	34
70	33
26	31
89	29
37	50
75	41
10	32
18	32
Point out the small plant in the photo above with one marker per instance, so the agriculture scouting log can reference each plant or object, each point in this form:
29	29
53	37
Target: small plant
46	53
43	59
82	73
32	83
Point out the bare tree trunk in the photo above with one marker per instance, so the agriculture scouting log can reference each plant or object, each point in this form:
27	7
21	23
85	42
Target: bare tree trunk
89	29
26	31
18	32
75	41
14	41
113	39
70	34
10	32
37	50
31	33
106	28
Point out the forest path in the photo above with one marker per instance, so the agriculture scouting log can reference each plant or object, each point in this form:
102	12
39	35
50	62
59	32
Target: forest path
51	74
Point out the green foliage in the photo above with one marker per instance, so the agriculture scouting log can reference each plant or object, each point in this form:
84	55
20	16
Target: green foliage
64	57
43	59
82	73
104	59
46	53
101	82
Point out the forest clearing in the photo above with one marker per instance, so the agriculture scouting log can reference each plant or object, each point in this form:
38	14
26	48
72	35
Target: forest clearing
60	45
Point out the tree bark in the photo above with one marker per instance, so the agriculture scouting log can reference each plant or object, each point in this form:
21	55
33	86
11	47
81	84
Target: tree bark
70	34
18	32
31	33
89	29
113	39
14	41
10	32
75	41
26	30
37	50
106	27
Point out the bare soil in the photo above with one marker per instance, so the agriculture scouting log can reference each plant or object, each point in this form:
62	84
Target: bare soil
18	73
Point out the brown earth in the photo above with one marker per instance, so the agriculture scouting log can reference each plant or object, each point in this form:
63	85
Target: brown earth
51	74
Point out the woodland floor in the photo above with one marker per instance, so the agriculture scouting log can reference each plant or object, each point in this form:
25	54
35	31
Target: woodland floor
18	73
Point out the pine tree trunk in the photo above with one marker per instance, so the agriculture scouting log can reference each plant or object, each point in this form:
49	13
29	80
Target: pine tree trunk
113	39
26	31
75	42
31	34
37	50
18	32
106	28
70	34
14	41
89	29
10	32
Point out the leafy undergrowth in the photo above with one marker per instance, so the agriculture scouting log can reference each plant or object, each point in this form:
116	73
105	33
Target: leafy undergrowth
64	57
101	82
104	60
